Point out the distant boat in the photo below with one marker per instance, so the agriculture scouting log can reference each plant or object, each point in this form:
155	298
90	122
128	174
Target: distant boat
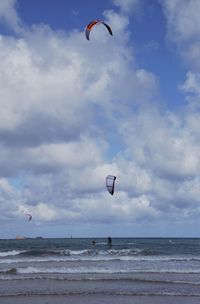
20	237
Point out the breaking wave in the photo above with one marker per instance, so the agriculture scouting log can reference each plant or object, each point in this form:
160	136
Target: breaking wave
75	253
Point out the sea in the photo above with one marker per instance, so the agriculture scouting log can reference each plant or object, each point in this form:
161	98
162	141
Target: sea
80	269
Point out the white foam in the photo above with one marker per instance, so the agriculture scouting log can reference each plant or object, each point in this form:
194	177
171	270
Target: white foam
29	270
12	253
101	256
68	270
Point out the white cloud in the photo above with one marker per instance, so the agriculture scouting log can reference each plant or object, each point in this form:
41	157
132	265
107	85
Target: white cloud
191	84
131	209
184	27
67	105
127	6
9	15
166	144
183	18
51	89
9	201
44	212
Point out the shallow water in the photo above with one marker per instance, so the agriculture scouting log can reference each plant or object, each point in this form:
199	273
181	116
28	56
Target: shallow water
75	267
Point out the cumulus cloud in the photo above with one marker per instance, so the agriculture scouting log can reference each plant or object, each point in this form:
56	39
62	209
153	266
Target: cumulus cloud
73	112
170	149
184	28
127	6
183	19
8	14
191	84
58	98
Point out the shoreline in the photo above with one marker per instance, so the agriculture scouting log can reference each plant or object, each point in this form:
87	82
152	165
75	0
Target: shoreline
97	299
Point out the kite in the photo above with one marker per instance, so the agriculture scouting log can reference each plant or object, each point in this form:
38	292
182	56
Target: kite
110	183
29	217
92	24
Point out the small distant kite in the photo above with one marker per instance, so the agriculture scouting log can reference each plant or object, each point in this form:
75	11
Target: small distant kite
92	24
28	217
110	183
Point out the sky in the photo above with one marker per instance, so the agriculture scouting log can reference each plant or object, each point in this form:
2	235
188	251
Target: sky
74	111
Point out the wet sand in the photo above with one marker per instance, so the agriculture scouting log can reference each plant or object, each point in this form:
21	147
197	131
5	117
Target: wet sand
137	288
98	299
75	291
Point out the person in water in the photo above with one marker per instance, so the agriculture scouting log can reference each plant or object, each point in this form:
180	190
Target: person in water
109	241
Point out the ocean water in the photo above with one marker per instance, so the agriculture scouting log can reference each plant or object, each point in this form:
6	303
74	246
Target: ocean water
130	267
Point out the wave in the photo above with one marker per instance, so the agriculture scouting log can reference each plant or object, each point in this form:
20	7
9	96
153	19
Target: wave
93	270
102	293
84	252
63	259
54	277
101	243
146	258
9	271
39	252
46	256
93	255
67	270
10	253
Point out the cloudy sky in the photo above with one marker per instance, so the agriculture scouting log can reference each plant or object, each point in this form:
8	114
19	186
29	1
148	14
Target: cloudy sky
73	111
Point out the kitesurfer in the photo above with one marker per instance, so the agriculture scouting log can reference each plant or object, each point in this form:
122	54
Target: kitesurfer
109	241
